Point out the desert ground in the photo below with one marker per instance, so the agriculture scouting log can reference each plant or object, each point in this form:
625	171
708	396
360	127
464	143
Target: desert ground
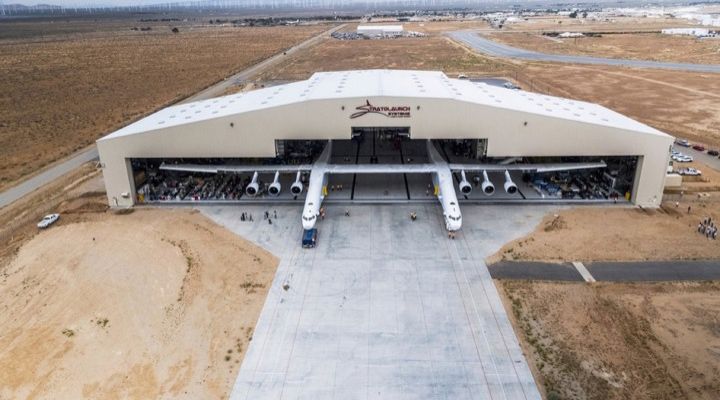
640	46
557	23
66	85
682	104
150	304
433	52
620	234
619	341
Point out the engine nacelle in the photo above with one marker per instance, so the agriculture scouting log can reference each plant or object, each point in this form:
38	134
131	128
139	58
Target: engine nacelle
465	186
487	187
510	186
275	187
253	188
297	186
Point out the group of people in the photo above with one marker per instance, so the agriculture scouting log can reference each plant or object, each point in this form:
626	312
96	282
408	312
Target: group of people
246	216
269	218
707	227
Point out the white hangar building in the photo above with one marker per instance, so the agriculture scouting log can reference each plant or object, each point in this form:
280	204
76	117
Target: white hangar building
480	129
380	30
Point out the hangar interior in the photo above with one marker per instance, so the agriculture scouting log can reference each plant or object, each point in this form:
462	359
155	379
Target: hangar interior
378	145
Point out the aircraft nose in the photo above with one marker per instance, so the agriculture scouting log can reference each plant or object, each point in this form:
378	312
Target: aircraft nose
454	226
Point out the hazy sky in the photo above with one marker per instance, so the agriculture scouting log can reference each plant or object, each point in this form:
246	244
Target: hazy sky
80	3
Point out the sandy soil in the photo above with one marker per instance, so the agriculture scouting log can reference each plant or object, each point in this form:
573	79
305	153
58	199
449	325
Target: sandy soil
682	104
619	234
556	23
619	341
426	53
63	93
152	304
645	46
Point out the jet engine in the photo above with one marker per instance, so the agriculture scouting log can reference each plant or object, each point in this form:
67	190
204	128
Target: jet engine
487	187
253	188
275	187
465	186
297	186
510	186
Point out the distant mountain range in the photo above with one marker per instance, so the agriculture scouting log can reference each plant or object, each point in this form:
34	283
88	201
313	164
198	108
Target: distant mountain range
21	7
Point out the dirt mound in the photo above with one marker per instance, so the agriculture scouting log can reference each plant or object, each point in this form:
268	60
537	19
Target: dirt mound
152	304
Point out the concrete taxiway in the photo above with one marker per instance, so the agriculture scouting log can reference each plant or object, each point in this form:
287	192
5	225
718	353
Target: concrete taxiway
493	48
384	307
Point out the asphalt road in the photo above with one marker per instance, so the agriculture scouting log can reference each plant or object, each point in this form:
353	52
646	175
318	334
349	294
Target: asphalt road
643	271
47	176
492	48
701	156
91	153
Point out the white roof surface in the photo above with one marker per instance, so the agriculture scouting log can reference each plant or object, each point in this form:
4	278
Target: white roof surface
375	83
384	28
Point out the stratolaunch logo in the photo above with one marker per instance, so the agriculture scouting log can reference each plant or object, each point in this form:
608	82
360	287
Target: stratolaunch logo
390	112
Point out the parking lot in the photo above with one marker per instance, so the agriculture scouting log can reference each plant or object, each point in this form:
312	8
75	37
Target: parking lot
384	307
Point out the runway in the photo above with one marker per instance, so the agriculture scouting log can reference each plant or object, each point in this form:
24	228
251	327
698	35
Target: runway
495	49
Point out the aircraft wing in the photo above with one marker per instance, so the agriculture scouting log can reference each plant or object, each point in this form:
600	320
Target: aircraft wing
381	168
214	169
527	167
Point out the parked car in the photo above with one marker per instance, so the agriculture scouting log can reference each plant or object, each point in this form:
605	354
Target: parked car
713	152
689	171
699	147
682	142
48	220
682	158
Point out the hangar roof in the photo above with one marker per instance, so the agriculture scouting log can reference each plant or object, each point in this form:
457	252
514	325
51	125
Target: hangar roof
378	83
387	28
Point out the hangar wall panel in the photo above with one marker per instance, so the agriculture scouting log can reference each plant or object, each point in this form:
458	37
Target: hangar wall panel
509	132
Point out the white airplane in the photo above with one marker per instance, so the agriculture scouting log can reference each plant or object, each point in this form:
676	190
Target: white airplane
440	170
